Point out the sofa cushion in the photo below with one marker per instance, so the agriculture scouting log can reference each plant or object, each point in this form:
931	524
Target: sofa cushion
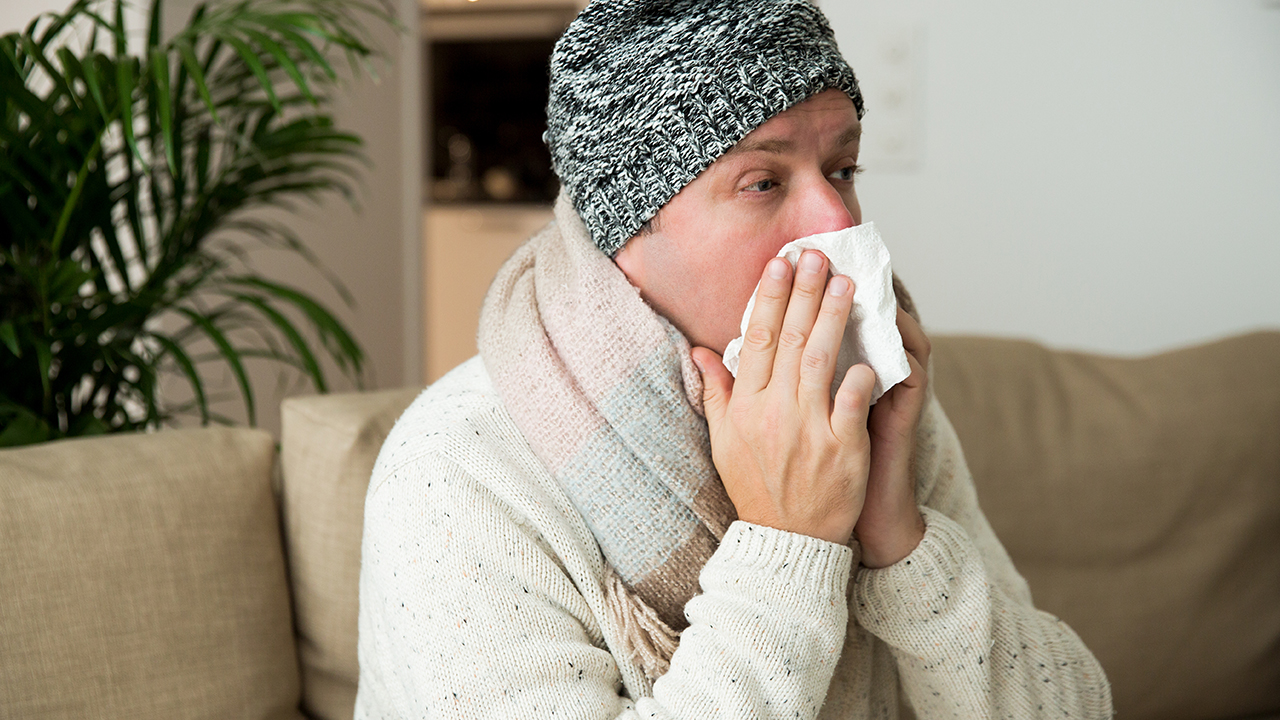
143	577
329	444
1141	500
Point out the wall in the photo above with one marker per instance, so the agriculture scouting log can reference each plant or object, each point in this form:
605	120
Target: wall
15	14
1102	175
376	249
465	246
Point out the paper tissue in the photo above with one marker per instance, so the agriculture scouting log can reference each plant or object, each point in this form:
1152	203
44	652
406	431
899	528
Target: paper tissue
871	334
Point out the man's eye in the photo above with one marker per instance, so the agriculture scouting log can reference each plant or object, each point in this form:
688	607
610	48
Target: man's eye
845	173
762	186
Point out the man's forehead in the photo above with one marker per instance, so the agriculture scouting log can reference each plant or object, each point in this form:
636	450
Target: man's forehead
768	142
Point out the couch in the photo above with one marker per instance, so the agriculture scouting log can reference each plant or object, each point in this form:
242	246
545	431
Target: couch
205	574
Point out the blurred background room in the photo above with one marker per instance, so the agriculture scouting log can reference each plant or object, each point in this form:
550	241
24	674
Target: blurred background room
1103	176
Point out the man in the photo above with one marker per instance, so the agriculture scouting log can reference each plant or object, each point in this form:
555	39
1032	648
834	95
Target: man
594	519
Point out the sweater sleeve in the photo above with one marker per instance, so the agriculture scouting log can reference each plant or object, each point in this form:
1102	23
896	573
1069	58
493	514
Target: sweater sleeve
959	619
468	611
766	633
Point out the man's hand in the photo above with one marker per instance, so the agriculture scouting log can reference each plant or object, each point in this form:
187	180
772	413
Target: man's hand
789	455
890	526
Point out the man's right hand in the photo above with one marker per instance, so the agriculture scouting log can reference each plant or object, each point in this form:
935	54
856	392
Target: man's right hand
790	456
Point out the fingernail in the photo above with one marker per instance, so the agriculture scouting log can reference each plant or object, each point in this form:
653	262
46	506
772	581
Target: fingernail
777	268
698	362
811	262
839	286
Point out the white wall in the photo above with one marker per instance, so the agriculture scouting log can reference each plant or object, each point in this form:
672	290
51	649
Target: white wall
15	15
1102	175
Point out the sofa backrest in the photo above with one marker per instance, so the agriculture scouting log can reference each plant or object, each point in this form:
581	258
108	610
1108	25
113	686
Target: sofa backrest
328	446
1139	497
142	577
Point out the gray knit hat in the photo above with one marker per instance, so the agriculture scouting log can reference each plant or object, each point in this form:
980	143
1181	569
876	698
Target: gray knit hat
645	94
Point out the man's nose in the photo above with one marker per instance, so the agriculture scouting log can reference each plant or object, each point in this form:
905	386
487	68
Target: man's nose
821	209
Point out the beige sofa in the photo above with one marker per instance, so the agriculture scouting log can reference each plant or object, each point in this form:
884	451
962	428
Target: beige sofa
175	575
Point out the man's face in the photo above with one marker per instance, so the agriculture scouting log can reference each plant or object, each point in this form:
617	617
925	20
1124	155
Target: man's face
789	178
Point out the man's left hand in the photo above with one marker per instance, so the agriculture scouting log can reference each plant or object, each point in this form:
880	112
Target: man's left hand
890	526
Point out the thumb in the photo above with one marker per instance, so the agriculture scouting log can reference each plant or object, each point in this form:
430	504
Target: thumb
717	383
853	402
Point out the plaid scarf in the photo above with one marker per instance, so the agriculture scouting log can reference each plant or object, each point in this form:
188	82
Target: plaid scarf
606	394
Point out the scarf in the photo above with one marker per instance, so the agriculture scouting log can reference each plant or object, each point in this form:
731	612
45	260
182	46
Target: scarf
606	394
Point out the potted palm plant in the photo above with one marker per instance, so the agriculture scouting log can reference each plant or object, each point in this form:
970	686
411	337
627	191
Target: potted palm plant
129	184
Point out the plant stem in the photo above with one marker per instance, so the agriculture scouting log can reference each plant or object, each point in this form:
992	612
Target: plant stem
72	200
65	219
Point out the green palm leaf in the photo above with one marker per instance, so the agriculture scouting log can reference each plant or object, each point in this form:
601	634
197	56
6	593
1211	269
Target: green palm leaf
124	186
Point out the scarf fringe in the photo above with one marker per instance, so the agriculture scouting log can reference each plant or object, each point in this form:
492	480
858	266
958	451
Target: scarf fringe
649	640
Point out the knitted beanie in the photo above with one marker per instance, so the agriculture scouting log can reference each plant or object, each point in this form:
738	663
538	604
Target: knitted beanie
645	94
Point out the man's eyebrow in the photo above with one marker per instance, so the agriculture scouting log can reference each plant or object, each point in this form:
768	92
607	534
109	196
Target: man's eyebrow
779	147
850	136
776	147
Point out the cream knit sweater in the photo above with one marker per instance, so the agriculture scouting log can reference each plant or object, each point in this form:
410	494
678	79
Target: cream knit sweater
481	597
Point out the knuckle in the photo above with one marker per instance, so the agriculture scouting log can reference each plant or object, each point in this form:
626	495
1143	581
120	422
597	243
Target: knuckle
759	336
806	291
816	360
758	423
776	291
859	444
711	394
834	310
792	339
771	422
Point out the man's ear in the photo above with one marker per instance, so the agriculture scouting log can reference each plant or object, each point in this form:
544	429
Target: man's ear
630	259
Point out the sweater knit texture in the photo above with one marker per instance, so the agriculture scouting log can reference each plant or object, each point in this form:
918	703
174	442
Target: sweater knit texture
482	595
488	591
645	94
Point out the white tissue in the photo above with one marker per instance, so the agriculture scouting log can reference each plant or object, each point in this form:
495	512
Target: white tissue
871	334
